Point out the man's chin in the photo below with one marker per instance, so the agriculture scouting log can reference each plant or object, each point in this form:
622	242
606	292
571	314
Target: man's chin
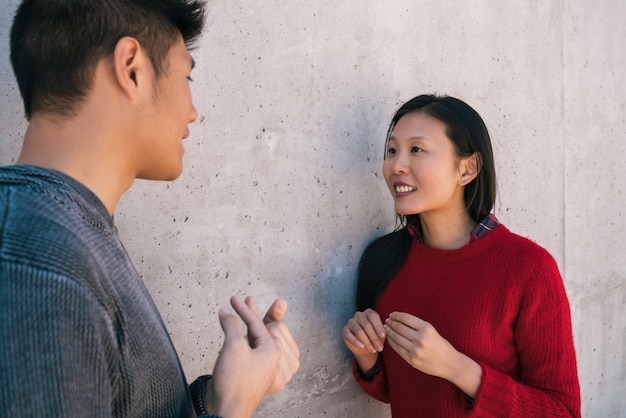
168	175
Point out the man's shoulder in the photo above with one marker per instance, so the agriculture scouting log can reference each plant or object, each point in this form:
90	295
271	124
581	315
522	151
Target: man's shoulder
41	194
19	175
26	183
46	223
28	197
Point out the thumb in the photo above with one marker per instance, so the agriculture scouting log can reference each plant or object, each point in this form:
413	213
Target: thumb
276	312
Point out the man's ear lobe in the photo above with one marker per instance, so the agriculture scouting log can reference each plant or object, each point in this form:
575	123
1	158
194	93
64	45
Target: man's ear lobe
129	61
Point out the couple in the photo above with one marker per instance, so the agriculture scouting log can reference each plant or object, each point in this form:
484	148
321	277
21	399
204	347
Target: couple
105	86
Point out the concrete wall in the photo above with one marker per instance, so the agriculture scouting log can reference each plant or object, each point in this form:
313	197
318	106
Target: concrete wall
282	187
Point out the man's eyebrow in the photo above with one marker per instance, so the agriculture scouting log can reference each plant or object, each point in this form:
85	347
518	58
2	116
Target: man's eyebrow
193	63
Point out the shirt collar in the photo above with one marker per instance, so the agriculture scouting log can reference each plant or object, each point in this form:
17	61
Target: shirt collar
486	226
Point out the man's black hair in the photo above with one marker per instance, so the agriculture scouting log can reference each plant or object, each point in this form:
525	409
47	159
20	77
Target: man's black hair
56	44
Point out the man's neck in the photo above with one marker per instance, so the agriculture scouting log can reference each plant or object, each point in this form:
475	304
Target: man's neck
71	147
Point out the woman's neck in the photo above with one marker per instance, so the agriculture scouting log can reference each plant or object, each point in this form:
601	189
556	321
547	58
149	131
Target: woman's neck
447	233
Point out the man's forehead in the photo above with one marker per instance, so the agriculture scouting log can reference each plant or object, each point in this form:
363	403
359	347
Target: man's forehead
179	52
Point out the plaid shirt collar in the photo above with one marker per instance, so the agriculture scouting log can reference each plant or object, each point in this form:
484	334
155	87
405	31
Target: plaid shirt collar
486	226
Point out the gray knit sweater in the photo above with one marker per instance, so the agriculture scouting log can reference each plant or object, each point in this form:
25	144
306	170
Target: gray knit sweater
79	334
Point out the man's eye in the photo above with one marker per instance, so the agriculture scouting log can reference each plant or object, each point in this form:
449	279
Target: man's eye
189	79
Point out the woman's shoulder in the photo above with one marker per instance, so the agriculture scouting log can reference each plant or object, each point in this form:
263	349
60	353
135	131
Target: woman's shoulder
513	248
511	241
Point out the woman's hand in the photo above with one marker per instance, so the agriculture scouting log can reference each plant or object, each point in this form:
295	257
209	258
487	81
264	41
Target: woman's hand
420	345
364	335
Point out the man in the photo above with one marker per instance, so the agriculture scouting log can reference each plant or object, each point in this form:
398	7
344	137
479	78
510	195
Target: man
105	90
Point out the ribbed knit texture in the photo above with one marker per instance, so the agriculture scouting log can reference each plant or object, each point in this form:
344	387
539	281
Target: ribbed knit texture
79	333
501	301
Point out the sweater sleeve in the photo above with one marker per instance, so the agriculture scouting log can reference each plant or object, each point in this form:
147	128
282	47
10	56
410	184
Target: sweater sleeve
376	387
543	334
52	347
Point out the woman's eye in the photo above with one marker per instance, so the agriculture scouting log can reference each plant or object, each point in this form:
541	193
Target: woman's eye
391	151
189	79
416	149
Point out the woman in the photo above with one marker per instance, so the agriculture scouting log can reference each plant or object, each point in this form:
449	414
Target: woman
456	314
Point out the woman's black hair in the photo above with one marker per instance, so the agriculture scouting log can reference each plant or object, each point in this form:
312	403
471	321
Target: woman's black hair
465	128
380	262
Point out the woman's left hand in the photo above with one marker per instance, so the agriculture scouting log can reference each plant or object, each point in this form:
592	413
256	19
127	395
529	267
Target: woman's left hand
420	345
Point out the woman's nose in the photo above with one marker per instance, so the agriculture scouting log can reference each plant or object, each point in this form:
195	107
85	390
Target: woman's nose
400	164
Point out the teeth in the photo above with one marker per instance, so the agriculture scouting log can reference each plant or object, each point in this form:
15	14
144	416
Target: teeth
405	189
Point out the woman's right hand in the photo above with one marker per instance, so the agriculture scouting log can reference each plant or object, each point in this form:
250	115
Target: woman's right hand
364	335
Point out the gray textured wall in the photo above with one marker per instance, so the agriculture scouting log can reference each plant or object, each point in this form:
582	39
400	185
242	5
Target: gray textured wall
282	186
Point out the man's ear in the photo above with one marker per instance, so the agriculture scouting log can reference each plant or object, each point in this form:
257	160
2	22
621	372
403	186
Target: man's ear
132	65
470	167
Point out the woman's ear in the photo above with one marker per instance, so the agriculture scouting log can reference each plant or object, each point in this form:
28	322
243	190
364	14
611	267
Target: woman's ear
469	168
131	66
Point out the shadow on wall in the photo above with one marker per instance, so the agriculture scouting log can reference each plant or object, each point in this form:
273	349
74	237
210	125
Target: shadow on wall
359	210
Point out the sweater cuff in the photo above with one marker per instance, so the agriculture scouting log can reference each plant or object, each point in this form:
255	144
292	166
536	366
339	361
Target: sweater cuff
369	376
492	386
198	389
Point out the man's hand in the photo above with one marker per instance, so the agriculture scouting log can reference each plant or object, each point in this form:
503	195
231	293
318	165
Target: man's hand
289	362
250	367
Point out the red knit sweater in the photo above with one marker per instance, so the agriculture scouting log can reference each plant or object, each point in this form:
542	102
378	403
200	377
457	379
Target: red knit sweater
501	301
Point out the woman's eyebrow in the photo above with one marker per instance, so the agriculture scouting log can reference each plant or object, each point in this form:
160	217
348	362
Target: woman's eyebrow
413	138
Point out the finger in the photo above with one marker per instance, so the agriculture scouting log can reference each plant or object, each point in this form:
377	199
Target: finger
400	337
351	339
257	333
230	325
400	349
408	319
374	319
252	305
281	330
372	336
290	358
276	312
405	339
369	340
284	369
400	328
